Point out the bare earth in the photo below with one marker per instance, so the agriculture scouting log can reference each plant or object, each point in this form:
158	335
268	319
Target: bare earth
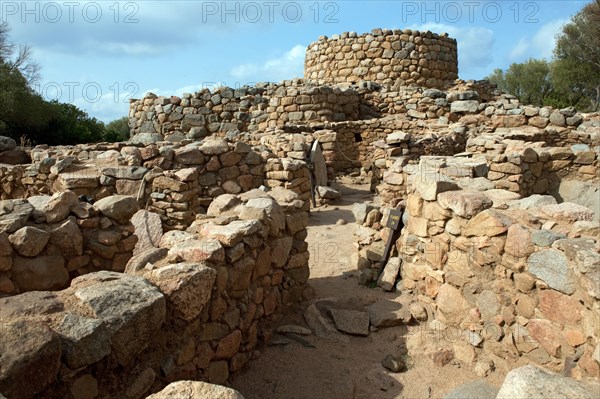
352	369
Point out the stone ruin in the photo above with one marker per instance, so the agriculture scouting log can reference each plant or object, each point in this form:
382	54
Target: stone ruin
173	272
125	267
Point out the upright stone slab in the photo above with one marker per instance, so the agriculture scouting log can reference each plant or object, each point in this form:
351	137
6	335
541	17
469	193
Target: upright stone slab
148	229
319	165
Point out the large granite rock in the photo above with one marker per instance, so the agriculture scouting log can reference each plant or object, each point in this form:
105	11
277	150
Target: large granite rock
29	241
29	358
533	201
501	198
452	305
232	233
84	341
68	238
585	193
14	214
464	203
141	259
214	146
569	212
132	308
465	106
14	157
125	172
187	286
360	212
118	207
7	143
386	313
28	304
429	184
196	390
274	211
84	178
488	223
223	203
58	207
350	321
530	382
198	250
397	138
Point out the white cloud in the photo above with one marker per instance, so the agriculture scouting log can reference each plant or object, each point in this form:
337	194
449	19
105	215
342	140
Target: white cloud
540	45
108	107
129	49
475	44
519	49
289	65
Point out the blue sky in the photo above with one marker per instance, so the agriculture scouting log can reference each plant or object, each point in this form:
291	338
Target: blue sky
98	54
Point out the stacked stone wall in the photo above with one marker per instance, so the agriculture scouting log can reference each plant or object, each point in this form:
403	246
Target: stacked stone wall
178	181
384	56
516	285
540	170
46	241
505	281
524	169
194	306
204	113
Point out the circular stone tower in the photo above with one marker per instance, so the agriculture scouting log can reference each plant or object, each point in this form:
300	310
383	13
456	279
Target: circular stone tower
387	57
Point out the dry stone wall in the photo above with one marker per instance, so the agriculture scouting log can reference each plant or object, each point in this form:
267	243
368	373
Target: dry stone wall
527	169
466	116
498	280
520	285
192	307
523	168
46	241
227	110
337	146
178	181
387	57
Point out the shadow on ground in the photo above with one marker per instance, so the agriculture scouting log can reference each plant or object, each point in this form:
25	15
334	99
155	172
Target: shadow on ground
326	366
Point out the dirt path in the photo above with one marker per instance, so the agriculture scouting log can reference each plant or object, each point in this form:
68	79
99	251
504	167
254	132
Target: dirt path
350	368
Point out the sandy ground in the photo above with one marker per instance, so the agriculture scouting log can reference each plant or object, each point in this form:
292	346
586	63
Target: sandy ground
352	369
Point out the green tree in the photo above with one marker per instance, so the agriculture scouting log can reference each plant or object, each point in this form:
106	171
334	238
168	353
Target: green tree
528	81
572	78
23	112
21	109
497	77
117	130
70	125
576	71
